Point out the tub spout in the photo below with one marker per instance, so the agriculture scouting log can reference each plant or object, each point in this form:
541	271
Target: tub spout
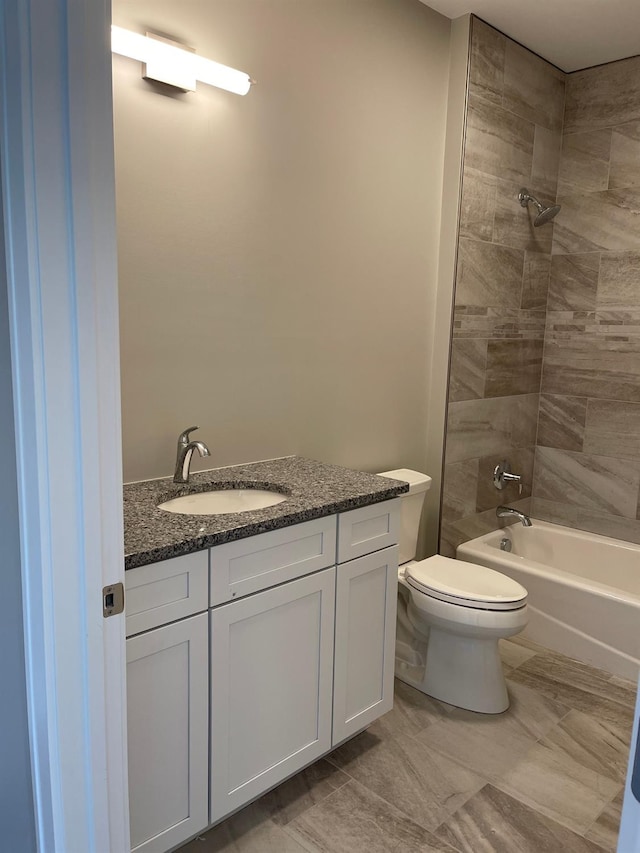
510	512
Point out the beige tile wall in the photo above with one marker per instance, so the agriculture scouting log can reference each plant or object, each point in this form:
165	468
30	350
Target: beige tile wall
514	125
545	362
588	459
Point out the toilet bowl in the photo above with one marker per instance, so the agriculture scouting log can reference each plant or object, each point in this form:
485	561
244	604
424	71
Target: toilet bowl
451	615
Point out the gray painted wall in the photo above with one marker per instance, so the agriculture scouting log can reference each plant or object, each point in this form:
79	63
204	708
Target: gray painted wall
278	252
17	824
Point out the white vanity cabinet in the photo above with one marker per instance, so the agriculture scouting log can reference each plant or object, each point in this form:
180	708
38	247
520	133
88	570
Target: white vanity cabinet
271	677
295	655
168	701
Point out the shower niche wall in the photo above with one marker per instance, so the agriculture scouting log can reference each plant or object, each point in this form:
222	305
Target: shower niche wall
545	355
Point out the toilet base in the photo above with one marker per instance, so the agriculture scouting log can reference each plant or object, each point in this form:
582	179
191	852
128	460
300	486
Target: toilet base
461	671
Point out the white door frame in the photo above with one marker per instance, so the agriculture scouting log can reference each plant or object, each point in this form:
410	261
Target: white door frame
56	150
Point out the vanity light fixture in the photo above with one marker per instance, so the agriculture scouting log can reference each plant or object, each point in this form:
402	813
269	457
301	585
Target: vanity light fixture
172	63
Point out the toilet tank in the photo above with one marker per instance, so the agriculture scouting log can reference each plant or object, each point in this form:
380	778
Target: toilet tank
410	508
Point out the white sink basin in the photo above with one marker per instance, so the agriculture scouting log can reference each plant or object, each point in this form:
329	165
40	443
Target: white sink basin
221	501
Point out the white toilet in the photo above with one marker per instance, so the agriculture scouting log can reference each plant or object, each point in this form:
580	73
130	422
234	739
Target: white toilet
451	615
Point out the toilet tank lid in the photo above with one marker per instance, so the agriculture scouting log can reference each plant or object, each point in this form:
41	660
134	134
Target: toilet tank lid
418	482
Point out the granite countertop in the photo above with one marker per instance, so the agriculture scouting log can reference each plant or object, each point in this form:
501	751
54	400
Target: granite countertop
314	490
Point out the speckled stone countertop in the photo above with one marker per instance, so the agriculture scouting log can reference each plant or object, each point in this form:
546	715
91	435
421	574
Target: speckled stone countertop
314	490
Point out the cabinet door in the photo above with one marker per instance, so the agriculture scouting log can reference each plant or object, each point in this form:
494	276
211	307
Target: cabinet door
167	707
366	598
271	672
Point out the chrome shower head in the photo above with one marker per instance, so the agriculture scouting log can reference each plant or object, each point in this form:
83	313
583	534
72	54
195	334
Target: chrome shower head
545	214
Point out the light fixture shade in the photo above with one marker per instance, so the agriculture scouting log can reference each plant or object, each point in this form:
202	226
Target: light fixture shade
174	65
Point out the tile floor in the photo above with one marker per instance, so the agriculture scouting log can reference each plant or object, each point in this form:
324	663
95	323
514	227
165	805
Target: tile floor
546	776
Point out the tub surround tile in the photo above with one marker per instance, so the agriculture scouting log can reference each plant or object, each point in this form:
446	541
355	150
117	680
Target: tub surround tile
592	367
585	161
468	369
486	322
315	490
513	224
488	274
356	820
626	529
545	165
561	421
602	221
555	512
625	156
494	822
478	206
487	496
533	88
604	831
552	783
426	785
498	142
460	489
486	66
613	429
455	531
618	281
603	97
573	282
594	482
513	367
491	426
535	280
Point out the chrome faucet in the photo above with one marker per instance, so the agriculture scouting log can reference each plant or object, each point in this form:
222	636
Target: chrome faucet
184	454
510	512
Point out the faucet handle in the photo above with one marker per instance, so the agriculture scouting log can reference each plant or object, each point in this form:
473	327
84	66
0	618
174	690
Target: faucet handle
502	476
183	438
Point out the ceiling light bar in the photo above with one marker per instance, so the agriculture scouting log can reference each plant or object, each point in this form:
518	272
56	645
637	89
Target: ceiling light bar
176	66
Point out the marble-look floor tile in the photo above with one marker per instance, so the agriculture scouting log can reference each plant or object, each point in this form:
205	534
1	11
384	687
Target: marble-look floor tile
249	831
424	784
493	822
597	744
604	831
355	820
512	654
492	744
577	686
551	782
412	712
594	482
302	791
561	421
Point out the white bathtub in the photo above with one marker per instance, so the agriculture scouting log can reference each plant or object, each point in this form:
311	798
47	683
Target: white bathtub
584	590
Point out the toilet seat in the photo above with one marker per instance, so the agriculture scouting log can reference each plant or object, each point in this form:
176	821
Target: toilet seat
465	584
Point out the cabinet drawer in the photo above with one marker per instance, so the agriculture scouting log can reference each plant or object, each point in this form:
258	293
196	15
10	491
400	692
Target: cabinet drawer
163	592
258	562
370	528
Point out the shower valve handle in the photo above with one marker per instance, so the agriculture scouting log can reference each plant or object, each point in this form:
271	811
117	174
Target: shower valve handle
502	476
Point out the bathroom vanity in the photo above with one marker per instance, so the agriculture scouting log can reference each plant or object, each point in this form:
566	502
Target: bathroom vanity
256	641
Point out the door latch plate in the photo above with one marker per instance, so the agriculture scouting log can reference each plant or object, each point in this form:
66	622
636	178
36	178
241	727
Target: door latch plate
112	599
